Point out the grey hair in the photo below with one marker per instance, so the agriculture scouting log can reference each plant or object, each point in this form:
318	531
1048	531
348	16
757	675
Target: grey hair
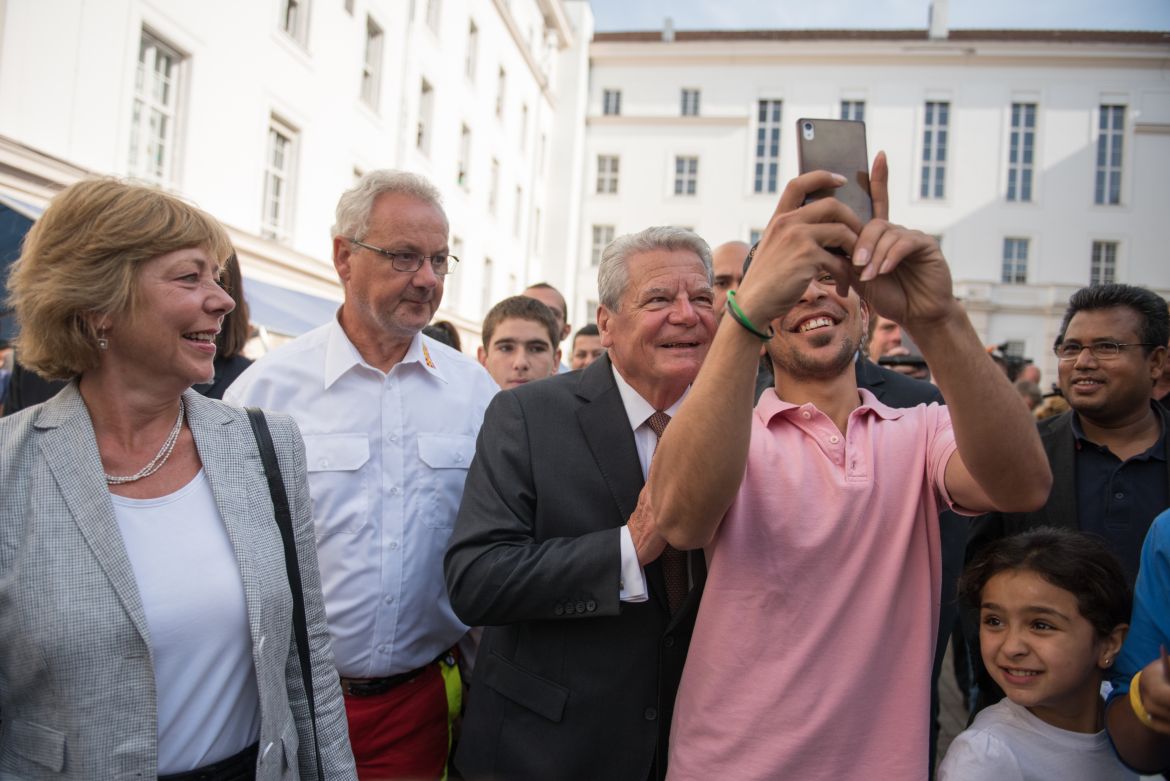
613	273
356	203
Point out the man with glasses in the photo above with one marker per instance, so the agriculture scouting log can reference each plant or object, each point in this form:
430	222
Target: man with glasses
1110	474
389	418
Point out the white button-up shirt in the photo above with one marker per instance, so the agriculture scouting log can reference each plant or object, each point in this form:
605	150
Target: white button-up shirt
638	410
387	457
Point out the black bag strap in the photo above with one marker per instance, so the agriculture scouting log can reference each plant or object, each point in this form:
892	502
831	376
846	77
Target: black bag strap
292	565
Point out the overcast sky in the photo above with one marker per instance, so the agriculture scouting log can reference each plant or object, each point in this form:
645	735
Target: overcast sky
874	14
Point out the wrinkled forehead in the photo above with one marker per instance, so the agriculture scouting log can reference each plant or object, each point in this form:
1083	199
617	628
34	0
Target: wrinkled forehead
666	269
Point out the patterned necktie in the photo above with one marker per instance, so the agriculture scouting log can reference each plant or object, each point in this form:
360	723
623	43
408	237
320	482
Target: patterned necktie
674	561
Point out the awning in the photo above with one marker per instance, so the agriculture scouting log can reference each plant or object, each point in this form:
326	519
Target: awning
283	311
16	217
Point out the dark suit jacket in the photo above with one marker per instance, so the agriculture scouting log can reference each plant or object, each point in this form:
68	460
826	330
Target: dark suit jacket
570	683
894	389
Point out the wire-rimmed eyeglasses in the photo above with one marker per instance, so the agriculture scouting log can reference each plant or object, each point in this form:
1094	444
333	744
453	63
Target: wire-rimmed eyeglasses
411	262
1104	351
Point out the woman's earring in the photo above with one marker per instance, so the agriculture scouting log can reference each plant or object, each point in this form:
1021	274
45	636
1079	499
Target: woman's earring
102	342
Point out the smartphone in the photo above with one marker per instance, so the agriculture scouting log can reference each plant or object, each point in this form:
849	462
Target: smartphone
837	145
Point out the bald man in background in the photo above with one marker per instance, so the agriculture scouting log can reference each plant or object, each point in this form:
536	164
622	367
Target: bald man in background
727	260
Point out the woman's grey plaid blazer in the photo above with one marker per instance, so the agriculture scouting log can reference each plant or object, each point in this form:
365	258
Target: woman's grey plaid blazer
77	696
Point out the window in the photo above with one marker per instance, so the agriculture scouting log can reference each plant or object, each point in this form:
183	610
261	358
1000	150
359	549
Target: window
518	211
278	180
433	15
1103	267
686	175
1111	130
523	126
690	103
156	98
607	173
934	150
1021	144
486	299
452	283
1015	261
426	108
372	66
602	236
501	87
294	20
853	109
767	146
472	50
462	176
611	102
494	191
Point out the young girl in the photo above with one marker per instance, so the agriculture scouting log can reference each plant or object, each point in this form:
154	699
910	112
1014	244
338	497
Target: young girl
1053	606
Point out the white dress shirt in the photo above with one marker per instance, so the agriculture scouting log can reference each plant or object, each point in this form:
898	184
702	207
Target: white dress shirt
638	410
387	457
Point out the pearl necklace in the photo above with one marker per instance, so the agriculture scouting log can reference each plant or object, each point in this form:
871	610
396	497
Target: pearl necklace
159	459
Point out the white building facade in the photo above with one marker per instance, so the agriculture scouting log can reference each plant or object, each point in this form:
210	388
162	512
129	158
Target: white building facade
264	112
1039	158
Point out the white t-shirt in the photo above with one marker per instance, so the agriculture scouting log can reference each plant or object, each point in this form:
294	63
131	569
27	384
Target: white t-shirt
1007	743
189	580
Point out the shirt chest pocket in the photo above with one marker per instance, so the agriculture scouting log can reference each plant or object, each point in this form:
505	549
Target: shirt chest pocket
339	482
445	459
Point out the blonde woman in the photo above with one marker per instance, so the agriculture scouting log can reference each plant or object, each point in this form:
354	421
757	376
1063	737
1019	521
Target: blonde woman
145	611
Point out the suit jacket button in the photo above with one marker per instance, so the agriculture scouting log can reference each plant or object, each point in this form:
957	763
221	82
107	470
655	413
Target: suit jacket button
559	609
668	641
580	607
651	714
569	608
591	606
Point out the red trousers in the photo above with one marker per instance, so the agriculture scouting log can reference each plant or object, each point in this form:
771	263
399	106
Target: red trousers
401	735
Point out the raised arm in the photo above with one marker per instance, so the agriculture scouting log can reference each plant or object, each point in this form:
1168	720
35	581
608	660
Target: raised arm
700	461
1000	463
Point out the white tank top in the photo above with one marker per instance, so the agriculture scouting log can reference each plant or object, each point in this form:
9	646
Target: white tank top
189	579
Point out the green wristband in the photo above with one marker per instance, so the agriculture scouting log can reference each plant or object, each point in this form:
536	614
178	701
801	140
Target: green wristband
743	320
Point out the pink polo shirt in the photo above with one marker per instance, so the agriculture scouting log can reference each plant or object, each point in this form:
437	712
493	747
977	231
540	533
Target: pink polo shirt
812	653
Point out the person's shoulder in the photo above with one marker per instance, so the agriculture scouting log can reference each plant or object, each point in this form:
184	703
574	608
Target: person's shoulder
898	389
983	751
1055	424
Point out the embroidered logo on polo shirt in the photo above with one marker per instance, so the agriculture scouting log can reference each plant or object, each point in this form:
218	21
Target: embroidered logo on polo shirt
427	357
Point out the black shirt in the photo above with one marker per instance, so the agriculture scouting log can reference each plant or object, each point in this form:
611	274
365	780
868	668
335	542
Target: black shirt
1118	500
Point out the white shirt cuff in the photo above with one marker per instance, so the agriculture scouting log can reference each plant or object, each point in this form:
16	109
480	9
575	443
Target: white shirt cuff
633	585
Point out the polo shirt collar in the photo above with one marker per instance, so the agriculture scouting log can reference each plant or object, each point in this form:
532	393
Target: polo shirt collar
1157	450
771	405
341	356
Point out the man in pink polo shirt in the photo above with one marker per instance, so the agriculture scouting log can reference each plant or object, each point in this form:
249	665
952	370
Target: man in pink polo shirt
812	652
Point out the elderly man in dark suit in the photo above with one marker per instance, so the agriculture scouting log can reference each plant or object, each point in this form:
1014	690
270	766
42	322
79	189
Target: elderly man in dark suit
587	625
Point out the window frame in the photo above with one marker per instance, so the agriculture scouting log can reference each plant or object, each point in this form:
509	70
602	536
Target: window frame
277	223
936	122
145	107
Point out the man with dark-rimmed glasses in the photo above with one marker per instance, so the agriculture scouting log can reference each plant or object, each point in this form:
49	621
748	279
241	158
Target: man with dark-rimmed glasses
389	418
1110	474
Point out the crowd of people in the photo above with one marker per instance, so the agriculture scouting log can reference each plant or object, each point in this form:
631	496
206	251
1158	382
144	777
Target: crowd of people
720	536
